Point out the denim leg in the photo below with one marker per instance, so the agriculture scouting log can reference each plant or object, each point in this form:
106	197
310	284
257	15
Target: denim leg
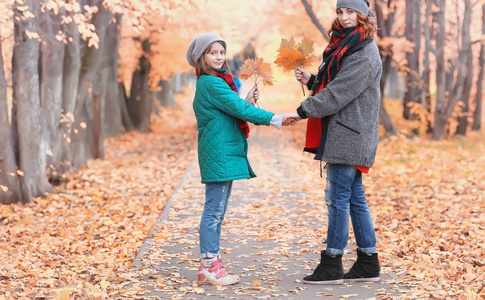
216	199
224	209
337	197
361	218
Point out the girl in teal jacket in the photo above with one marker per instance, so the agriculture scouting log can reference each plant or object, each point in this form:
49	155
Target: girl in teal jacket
222	146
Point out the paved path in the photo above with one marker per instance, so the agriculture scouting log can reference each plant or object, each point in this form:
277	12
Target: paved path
271	237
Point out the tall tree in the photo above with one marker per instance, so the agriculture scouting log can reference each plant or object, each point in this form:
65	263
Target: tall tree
52	51
113	123
9	181
477	114
440	116
427	32
140	101
385	22
413	36
70	81
85	141
466	59
28	113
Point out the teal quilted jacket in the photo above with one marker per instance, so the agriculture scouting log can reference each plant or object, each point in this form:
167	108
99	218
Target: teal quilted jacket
222	146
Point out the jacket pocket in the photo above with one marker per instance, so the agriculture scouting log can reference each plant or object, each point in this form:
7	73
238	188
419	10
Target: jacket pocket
347	127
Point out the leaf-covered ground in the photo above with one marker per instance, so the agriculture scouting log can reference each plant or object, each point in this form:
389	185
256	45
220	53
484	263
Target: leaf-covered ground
427	199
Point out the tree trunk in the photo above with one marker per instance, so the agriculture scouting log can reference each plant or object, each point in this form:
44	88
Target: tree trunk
477	115
384	118
70	81
9	181
466	54
127	123
31	131
165	95
426	63
413	36
139	103
51	79
386	55
176	81
97	142
113	119
84	112
440	117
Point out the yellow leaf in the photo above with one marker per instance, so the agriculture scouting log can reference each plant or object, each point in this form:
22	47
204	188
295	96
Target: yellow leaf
104	284
4	188
288	44
306	46
64	295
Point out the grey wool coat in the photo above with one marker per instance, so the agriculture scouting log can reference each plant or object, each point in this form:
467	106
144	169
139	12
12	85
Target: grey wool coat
351	101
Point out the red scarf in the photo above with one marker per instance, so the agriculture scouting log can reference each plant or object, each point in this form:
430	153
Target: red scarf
343	39
243	125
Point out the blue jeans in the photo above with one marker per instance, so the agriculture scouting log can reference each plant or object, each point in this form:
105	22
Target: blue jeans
345	196
216	200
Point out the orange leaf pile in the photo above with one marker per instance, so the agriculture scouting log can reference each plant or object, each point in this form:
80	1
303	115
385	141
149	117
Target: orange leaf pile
291	54
257	70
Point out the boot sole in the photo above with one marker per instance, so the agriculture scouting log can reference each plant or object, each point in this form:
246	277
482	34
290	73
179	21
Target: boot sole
372	279
329	282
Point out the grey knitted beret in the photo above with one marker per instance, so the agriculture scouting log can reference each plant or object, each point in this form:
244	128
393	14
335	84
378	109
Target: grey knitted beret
361	6
200	44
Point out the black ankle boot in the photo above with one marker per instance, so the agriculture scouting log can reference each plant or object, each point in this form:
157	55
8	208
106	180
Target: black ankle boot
329	271
366	268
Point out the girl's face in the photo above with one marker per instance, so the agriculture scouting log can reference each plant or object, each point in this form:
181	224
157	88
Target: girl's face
347	17
216	56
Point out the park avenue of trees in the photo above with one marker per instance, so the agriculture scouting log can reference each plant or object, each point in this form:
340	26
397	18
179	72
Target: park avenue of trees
76	71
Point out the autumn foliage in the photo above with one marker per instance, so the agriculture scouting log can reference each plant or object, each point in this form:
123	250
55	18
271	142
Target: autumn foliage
257	70
291	54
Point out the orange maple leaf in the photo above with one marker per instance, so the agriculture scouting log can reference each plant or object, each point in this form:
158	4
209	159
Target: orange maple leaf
257	70
293	55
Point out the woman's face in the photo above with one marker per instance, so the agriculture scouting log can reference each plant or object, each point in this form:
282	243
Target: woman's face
216	56
347	17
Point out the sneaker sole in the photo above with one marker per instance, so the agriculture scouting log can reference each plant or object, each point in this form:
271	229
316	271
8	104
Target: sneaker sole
373	279
329	282
216	283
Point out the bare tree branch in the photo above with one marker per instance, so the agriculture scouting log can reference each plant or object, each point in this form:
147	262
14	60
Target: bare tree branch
314	19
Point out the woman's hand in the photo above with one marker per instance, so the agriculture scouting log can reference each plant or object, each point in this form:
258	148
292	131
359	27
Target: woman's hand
302	75
291	118
253	95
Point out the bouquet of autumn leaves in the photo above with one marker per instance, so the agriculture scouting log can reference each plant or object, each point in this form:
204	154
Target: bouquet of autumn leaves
257	70
292	55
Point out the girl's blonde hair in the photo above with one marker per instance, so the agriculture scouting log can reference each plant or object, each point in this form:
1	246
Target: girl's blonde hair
201	66
369	25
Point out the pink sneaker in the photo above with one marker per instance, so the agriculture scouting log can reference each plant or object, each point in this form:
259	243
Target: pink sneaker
211	271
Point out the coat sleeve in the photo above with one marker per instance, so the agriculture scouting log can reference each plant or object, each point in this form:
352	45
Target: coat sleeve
228	101
354	77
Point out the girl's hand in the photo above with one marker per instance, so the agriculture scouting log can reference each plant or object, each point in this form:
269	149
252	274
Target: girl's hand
253	95
302	75
291	119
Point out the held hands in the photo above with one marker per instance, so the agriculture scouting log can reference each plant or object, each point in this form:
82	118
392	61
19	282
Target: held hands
302	75
290	119
253	95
